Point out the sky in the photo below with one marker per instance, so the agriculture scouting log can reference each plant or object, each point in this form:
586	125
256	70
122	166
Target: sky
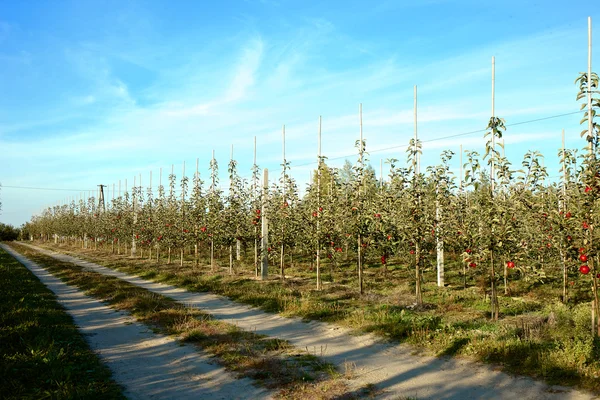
97	92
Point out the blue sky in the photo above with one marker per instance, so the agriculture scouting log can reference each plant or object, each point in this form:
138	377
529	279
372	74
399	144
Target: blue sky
100	91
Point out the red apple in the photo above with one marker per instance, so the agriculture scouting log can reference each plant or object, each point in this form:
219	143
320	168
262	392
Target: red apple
585	225
588	189
510	264
568	215
583	258
468	251
581	250
472	265
412	252
584	269
320	208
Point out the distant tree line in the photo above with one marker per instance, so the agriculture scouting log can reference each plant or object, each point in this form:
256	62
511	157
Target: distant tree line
8	232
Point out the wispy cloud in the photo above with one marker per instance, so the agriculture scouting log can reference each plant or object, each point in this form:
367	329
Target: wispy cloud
246	71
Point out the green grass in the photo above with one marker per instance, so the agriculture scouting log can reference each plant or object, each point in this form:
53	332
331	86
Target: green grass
273	363
42	355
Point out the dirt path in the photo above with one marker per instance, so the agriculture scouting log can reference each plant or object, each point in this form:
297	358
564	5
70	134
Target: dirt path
147	365
392	368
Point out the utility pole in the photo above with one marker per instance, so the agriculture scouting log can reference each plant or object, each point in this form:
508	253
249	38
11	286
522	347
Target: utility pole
101	204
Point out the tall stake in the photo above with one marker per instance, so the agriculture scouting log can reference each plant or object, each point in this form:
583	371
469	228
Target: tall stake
592	150
231	189
264	268
439	240
319	207
492	177
134	203
254	189
460	188
171	205
197	184
589	80
416	167
494	296
161	196
212	241
360	190
282	258
564	208
381	175
182	214
151	211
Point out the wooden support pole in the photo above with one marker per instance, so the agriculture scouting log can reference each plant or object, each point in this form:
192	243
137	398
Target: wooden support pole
264	269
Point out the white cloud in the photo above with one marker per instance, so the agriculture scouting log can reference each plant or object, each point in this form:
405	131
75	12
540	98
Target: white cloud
246	70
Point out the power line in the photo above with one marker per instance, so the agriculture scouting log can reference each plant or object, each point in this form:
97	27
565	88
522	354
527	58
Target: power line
345	156
449	136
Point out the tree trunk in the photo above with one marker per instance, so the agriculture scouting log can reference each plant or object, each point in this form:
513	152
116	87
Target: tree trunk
565	275
494	295
212	255
418	293
230	260
360	266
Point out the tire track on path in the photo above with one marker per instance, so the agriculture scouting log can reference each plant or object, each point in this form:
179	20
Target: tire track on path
147	365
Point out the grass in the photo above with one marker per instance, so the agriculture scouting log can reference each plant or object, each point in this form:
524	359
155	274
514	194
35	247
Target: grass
42	355
536	336
273	363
